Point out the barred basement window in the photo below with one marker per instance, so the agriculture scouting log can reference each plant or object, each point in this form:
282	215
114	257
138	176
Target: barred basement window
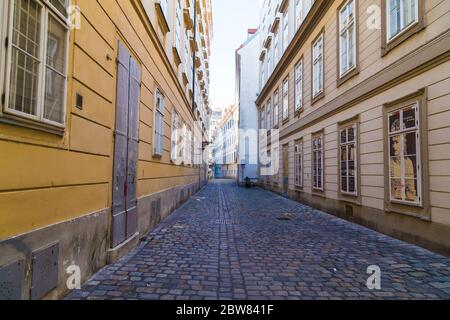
298	164
401	14
404	155
158	139
348	155
318	163
37	55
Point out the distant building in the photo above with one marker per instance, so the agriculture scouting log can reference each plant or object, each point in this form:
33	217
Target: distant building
225	142
247	87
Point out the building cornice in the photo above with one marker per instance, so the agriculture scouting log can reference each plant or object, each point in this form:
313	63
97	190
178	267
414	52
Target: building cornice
312	20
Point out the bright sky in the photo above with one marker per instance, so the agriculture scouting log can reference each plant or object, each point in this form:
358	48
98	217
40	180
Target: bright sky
231	19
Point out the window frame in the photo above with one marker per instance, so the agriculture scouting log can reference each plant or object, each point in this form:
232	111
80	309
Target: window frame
37	121
388	44
316	96
401	132
422	211
351	124
316	136
276	106
299	88
298	164
268	114
157	110
285	99
175	133
351	72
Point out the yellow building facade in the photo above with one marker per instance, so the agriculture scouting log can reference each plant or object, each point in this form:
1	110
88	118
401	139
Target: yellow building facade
104	113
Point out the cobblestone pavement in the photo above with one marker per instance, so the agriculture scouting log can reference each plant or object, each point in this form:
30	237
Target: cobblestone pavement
227	243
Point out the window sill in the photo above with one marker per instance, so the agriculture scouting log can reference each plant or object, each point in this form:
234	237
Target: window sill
31	124
157	156
317	97
347	76
387	46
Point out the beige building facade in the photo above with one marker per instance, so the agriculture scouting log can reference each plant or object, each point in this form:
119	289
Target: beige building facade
359	91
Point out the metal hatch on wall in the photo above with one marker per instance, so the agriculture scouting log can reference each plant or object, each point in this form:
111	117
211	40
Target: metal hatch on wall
126	139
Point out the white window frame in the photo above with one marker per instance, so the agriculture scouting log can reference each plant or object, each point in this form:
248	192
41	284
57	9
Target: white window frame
346	145
298	164
401	132
403	27
47	10
159	110
263	121
298	13
263	74
276	107
299	86
315	162
344	29
268	115
178	24
318	66
165	8
286	99
269	62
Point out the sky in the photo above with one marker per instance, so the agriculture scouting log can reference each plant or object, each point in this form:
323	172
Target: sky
230	31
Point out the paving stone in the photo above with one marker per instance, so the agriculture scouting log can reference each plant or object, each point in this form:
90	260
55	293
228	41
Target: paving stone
311	256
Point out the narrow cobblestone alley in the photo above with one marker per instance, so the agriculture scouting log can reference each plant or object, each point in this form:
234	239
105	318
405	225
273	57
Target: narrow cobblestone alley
230	243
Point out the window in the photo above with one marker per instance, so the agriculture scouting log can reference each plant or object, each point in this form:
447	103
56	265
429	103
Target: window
165	8
299	85
298	164
348	155
404	155
276	47
318	162
263	74
401	14
175	136
302	8
275	109
286	99
298	13
285	29
262	119
269	62
269	108
188	157
36	78
318	74
158	139
347	36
